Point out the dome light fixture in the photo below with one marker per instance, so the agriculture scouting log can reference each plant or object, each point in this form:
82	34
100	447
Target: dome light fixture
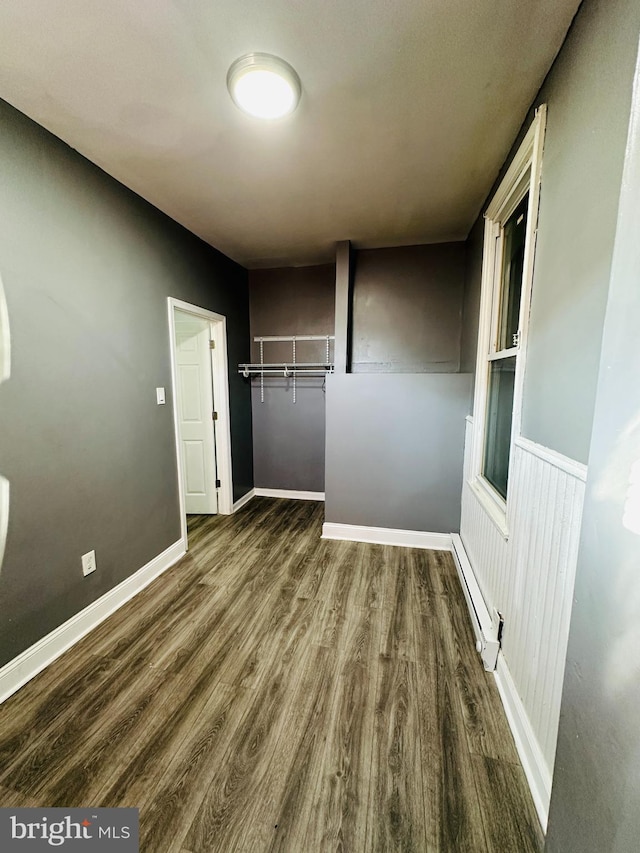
264	86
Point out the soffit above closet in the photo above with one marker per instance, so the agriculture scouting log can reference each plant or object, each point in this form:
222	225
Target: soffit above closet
408	110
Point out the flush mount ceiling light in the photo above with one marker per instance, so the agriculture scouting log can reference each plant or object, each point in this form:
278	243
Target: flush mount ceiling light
264	86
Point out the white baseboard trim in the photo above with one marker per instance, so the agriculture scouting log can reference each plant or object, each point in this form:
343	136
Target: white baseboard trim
33	660
533	763
244	500
292	495
387	536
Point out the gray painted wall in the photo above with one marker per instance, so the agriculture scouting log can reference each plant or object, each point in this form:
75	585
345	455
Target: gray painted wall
407	309
395	450
588	92
589	96
288	438
87	268
594	801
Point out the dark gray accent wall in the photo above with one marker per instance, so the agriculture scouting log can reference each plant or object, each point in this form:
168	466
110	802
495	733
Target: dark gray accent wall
471	302
596	786
344	306
395	447
87	268
288	437
407	309
588	93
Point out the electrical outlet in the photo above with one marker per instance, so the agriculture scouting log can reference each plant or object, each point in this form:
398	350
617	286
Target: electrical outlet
88	563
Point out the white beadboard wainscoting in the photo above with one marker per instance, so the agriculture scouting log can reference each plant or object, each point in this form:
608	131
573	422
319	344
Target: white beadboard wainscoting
529	576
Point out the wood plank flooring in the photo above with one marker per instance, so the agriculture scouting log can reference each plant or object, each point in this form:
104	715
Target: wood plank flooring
275	691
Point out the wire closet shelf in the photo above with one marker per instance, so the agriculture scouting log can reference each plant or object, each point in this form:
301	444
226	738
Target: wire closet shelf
288	369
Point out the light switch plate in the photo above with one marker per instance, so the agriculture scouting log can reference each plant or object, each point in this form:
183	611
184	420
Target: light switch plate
88	563
160	399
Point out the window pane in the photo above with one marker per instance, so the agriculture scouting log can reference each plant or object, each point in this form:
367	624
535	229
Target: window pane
498	427
514	234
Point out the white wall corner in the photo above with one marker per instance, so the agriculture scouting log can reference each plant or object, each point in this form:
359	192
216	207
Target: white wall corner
244	500
387	536
533	763
532	586
33	660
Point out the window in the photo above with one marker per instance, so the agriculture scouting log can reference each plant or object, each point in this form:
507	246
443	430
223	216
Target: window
510	224
507	301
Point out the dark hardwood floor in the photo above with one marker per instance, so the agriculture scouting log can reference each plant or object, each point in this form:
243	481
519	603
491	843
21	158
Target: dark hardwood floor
276	691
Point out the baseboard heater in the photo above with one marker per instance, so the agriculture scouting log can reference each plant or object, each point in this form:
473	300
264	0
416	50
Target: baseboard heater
487	628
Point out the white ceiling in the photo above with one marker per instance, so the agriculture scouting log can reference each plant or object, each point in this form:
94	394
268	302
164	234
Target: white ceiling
409	108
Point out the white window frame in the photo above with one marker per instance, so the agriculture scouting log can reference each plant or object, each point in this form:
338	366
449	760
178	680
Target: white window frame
522	176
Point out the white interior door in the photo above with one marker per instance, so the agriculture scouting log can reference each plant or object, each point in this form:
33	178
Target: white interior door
195	413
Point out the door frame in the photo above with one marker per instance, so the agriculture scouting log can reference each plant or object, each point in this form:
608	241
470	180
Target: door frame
220	380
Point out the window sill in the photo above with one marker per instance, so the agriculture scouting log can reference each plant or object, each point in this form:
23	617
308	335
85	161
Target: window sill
494	507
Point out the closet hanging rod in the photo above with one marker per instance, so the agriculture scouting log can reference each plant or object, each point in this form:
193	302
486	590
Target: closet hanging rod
290	368
285	371
289	338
